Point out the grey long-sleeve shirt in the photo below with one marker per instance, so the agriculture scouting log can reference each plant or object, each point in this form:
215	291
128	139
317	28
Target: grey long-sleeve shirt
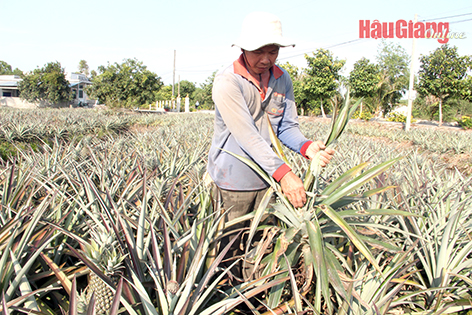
241	127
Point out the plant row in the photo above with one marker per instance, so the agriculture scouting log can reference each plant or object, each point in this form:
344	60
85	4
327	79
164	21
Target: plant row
131	214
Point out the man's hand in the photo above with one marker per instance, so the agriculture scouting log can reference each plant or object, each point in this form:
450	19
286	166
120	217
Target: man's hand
292	187
326	154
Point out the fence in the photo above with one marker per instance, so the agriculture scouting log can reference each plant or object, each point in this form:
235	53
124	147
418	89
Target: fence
171	105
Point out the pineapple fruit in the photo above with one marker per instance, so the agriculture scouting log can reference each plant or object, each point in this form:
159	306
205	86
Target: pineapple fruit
103	253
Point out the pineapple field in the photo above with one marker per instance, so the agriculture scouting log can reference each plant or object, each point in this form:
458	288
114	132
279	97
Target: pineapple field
110	212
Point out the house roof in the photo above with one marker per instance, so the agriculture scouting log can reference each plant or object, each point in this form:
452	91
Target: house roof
77	83
9	83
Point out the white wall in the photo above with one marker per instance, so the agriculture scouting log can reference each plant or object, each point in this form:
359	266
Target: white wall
16	102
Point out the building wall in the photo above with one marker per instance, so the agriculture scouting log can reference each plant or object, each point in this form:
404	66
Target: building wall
5	92
17	102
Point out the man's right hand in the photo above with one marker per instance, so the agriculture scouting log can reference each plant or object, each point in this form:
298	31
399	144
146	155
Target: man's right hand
292	187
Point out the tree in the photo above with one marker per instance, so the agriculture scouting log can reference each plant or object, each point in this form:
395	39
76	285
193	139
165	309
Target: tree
84	68
128	84
5	69
203	94
364	79
442	74
322	77
466	93
164	94
47	86
297	79
187	88
393	61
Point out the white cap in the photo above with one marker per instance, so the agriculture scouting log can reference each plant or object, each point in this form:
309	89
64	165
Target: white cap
261	29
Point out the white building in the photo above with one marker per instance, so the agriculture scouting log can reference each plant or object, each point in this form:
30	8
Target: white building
9	85
78	82
9	95
9	92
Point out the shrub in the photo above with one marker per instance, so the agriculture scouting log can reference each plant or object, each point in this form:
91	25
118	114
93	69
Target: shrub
397	117
7	150
365	115
465	122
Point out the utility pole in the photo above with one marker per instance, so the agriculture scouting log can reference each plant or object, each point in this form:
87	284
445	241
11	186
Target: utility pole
173	79
178	88
412	78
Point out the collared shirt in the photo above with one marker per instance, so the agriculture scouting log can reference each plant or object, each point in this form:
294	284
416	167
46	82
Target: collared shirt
241	127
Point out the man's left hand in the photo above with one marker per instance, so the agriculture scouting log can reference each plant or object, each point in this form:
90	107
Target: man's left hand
326	153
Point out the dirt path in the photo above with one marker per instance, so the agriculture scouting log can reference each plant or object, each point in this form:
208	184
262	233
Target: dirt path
461	162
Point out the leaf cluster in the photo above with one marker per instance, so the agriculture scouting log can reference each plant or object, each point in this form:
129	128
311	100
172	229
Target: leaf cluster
203	94
6	69
129	84
442	73
47	85
316	83
364	78
322	75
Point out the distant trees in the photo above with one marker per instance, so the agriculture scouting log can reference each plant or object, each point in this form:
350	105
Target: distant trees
202	93
127	85
382	84
186	88
164	93
443	75
393	61
83	68
297	80
322	78
6	69
364	79
444	83
46	85
319	82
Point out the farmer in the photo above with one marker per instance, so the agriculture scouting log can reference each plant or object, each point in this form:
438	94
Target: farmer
244	93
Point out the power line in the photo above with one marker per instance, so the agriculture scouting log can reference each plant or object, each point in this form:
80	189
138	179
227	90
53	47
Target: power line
446	17
358	39
328	47
193	71
460	21
331	46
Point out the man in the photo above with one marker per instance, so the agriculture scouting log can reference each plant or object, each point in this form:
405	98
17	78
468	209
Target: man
244	93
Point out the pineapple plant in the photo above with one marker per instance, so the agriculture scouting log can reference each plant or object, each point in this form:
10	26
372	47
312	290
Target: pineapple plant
103	254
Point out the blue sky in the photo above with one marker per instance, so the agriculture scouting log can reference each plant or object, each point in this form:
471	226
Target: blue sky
33	33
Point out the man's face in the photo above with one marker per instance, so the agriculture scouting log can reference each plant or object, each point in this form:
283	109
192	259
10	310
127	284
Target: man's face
262	59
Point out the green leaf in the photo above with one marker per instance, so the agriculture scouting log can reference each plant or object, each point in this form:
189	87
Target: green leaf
346	176
317	249
295	293
357	182
369	212
355	239
276	142
144	297
141	223
25	268
260	211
